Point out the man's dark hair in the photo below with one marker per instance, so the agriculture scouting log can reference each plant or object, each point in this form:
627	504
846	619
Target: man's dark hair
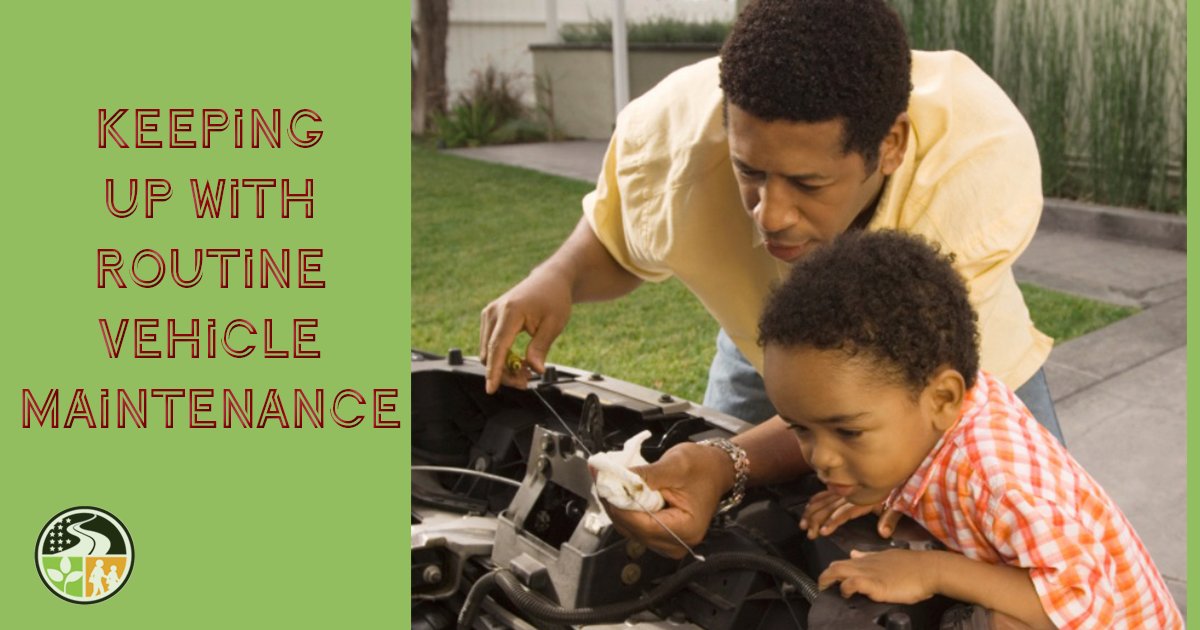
820	60
886	295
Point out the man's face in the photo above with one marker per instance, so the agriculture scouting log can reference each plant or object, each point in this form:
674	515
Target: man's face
798	184
861	434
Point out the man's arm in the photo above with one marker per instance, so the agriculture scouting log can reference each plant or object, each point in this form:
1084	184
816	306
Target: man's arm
774	453
581	270
595	275
693	478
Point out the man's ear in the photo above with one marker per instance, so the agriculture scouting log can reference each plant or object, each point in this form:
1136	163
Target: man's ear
891	150
943	397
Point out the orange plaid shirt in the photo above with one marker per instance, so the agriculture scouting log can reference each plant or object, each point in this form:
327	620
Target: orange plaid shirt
999	488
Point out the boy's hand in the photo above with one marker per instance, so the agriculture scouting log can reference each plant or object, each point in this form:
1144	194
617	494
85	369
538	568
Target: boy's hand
898	576
826	511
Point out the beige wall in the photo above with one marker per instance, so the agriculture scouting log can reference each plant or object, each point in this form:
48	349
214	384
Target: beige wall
648	67
582	82
499	32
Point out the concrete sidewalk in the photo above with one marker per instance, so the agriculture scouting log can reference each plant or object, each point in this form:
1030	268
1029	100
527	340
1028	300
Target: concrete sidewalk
1120	392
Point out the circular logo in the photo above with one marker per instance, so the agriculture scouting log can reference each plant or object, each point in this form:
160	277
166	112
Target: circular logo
84	555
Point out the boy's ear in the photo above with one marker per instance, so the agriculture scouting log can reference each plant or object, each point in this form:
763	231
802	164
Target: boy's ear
944	397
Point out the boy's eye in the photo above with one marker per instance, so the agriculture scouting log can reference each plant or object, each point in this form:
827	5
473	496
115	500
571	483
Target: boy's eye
849	433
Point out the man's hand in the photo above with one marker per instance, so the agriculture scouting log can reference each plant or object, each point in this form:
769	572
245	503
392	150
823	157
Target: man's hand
692	479
826	511
540	305
581	270
898	576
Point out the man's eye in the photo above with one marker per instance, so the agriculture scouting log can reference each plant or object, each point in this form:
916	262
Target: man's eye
849	433
802	187
748	172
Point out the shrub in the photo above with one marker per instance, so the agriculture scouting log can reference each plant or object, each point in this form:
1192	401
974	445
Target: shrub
498	91
468	124
660	30
489	112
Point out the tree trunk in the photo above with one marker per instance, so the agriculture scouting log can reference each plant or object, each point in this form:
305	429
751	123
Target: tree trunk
429	73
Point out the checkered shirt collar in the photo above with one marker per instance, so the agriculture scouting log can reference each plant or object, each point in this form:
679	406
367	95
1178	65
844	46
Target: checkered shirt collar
905	496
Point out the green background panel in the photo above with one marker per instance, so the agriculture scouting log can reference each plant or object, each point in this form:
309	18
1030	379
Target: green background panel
272	527
1193	139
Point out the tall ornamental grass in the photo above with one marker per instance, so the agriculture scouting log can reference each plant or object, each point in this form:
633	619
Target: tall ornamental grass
1101	82
1039	69
1129	67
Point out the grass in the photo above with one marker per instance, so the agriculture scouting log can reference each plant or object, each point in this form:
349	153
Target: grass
1066	317
478	228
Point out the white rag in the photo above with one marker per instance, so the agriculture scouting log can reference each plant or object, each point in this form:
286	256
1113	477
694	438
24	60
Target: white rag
615	483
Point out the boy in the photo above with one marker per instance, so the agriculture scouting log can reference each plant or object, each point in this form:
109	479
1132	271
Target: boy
871	357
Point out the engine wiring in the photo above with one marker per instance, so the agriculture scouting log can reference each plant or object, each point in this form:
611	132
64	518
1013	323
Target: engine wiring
537	606
466	471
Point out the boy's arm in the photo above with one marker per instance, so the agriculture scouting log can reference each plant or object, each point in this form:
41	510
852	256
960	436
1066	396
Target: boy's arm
1000	587
906	576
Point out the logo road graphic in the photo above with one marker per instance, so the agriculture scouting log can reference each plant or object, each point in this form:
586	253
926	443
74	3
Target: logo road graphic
84	555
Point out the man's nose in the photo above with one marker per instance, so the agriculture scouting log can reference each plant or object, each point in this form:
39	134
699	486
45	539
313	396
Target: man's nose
774	211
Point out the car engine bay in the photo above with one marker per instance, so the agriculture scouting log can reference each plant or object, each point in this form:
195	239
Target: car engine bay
507	533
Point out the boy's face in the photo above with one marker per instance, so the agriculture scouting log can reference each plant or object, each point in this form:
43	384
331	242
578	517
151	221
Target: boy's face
862	434
797	182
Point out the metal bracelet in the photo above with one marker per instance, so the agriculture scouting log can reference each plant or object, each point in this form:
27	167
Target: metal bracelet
741	471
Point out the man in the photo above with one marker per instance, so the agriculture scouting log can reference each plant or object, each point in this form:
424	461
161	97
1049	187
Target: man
819	121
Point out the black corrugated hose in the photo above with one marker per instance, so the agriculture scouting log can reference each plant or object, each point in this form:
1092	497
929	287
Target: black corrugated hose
537	606
479	591
475	598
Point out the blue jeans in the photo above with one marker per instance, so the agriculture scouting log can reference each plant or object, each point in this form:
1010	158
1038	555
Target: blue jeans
736	388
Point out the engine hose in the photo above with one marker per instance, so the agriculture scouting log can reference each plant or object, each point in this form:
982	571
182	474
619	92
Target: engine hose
479	591
537	606
475	597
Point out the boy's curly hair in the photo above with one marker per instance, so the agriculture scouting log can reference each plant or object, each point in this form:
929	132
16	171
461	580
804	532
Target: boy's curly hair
888	295
820	60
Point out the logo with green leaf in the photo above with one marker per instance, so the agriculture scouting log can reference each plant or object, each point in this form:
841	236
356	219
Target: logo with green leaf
84	555
63	575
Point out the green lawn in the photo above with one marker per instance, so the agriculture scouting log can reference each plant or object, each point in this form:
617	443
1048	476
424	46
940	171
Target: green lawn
478	228
1066	317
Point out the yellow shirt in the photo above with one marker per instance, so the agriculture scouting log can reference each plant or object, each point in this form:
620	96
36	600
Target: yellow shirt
667	202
